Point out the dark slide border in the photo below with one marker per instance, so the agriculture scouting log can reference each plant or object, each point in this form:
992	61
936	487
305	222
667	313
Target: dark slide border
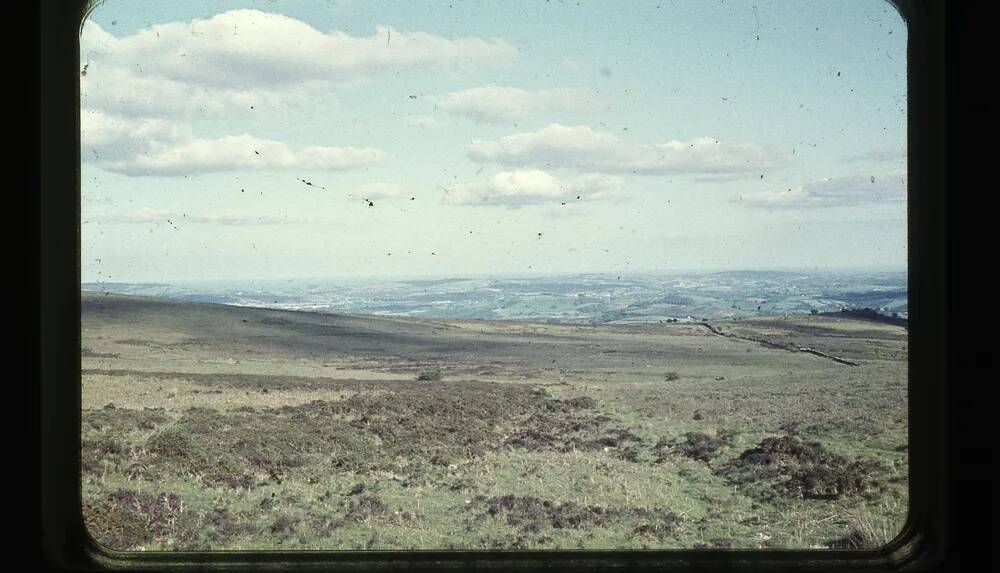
929	541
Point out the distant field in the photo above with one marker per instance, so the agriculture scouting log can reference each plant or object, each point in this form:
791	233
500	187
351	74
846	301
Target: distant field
571	299
211	427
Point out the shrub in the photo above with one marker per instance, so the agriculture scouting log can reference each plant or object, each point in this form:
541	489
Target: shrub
430	375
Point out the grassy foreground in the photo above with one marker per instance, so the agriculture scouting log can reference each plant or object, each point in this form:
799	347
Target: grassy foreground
208	427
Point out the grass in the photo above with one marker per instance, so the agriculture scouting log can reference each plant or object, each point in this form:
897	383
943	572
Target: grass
605	452
441	464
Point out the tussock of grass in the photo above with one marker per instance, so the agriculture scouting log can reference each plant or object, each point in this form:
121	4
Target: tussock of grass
430	375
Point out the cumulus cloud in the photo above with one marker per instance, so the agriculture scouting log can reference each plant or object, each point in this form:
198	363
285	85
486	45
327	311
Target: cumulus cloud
147	215
580	147
140	92
571	65
240	57
881	154
857	189
239	152
155	147
380	190
498	104
516	188
136	93
424	121
107	137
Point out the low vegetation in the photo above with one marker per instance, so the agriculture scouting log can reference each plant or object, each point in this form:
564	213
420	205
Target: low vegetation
610	454
430	375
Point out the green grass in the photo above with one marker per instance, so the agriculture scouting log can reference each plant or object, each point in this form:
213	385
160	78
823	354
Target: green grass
427	464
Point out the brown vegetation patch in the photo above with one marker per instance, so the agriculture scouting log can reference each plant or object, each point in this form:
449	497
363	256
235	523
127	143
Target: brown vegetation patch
447	421
126	519
854	540
238	449
88	353
534	516
368	509
787	449
410	429
118	421
788	467
695	445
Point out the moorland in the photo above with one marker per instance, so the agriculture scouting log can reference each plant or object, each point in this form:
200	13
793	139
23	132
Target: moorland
215	427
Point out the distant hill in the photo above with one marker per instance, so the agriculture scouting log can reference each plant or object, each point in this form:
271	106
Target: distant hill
755	274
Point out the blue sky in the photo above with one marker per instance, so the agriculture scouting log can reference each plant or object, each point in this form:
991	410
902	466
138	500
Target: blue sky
280	139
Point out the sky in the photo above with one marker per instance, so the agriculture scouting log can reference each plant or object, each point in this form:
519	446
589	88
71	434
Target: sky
235	140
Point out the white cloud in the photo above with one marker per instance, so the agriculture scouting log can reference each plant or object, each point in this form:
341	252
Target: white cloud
580	147
424	121
380	190
134	93
881	154
156	147
571	65
107	137
498	104
848	190
516	188
140	92
246	57
147	215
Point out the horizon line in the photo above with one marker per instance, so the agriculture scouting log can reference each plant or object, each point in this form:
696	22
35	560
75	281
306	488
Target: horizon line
503	276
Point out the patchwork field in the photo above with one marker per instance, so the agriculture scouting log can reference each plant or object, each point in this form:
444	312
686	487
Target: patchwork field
210	427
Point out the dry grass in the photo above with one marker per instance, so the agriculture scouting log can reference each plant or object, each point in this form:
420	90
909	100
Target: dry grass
249	429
